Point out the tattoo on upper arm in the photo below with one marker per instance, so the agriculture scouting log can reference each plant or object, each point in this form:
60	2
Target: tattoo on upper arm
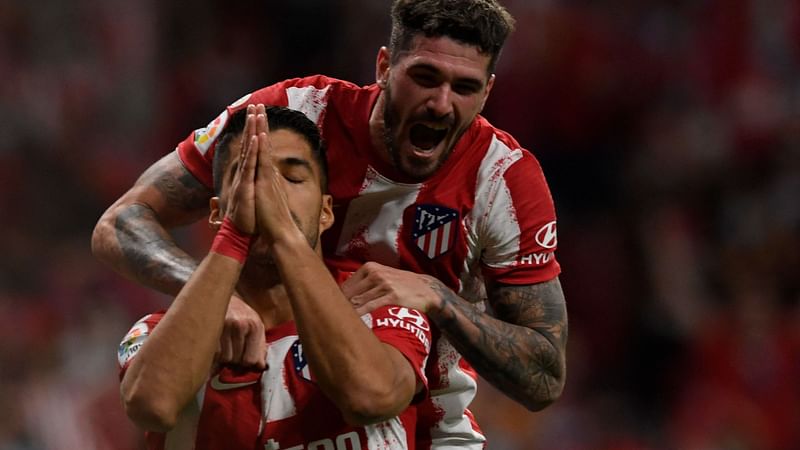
522	351
181	189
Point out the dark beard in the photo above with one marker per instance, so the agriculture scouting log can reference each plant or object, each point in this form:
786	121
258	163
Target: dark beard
266	262
389	122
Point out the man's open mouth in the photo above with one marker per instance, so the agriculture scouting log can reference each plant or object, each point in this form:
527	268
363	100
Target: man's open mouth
426	137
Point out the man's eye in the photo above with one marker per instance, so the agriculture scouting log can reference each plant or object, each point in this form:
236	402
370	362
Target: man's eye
425	80
465	89
293	180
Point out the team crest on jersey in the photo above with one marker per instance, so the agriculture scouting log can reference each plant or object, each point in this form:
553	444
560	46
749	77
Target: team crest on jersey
203	137
299	361
435	229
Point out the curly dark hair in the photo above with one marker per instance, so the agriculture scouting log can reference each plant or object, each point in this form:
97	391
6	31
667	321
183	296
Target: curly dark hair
482	23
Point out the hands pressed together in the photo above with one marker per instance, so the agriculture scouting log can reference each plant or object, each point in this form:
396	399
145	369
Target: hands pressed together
258	206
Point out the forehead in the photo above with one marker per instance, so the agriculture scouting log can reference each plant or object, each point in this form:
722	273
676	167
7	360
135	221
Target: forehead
446	54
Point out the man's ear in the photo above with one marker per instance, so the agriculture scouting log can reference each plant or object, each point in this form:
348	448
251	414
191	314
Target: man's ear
216	216
326	213
382	63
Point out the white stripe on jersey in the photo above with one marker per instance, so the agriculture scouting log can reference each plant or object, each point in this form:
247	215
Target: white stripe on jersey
277	402
454	430
388	435
380	203
445	238
308	100
493	205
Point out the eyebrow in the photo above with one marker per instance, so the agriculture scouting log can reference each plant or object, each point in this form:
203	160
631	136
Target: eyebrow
296	162
474	82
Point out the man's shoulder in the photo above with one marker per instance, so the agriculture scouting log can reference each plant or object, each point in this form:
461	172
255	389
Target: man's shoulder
492	151
312	83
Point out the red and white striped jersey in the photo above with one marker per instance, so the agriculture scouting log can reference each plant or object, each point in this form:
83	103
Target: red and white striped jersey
282	406
486	214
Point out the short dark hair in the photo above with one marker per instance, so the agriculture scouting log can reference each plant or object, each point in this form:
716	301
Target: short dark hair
278	118
482	23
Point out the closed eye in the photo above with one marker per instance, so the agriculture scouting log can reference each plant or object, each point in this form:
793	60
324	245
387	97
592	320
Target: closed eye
294	180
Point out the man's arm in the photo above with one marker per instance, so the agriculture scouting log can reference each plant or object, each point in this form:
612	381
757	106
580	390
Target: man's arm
176	359
368	380
522	351
132	236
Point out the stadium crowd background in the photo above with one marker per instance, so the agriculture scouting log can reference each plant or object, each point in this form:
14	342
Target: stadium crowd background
669	131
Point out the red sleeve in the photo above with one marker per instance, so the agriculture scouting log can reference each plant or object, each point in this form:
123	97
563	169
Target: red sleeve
308	95
521	226
407	330
134	340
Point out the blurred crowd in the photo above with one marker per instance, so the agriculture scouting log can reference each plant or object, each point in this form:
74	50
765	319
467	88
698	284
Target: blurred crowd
669	131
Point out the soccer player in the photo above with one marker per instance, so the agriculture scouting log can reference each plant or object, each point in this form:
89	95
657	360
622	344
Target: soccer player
329	381
448	210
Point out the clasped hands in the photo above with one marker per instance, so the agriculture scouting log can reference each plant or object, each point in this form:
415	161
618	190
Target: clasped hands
259	205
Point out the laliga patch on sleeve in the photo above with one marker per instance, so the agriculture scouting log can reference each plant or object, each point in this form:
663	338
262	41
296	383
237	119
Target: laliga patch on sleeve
204	137
133	341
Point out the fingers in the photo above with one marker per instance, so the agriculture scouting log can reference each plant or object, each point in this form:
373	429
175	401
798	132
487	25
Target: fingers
226	351
373	305
255	349
261	124
362	280
242	342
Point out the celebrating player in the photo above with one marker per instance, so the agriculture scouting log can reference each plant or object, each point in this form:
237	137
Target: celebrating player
328	379
451	210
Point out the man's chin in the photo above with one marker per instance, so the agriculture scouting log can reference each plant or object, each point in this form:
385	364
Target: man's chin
419	166
265	261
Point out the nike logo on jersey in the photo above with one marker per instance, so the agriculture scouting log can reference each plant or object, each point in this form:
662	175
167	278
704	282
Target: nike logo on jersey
220	385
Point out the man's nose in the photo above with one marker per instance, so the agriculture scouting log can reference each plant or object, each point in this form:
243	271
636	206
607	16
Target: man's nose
440	101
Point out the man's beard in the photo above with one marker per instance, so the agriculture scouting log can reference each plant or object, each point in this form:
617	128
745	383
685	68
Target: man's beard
265	260
389	123
393	148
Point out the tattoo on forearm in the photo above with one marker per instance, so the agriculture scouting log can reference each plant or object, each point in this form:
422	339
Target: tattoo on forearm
522	353
150	253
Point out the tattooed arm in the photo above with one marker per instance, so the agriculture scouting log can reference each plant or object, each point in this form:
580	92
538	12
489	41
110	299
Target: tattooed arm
521	350
131	235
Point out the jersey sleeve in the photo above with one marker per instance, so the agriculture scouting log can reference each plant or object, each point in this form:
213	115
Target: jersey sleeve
134	339
408	330
307	95
519	228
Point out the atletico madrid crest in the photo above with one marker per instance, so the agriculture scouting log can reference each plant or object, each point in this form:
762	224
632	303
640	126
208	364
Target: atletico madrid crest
435	229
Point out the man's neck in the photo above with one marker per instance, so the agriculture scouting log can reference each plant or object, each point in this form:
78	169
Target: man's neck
264	291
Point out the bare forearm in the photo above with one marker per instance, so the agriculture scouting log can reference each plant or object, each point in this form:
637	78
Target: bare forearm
138	247
132	235
524	353
360	373
176	359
